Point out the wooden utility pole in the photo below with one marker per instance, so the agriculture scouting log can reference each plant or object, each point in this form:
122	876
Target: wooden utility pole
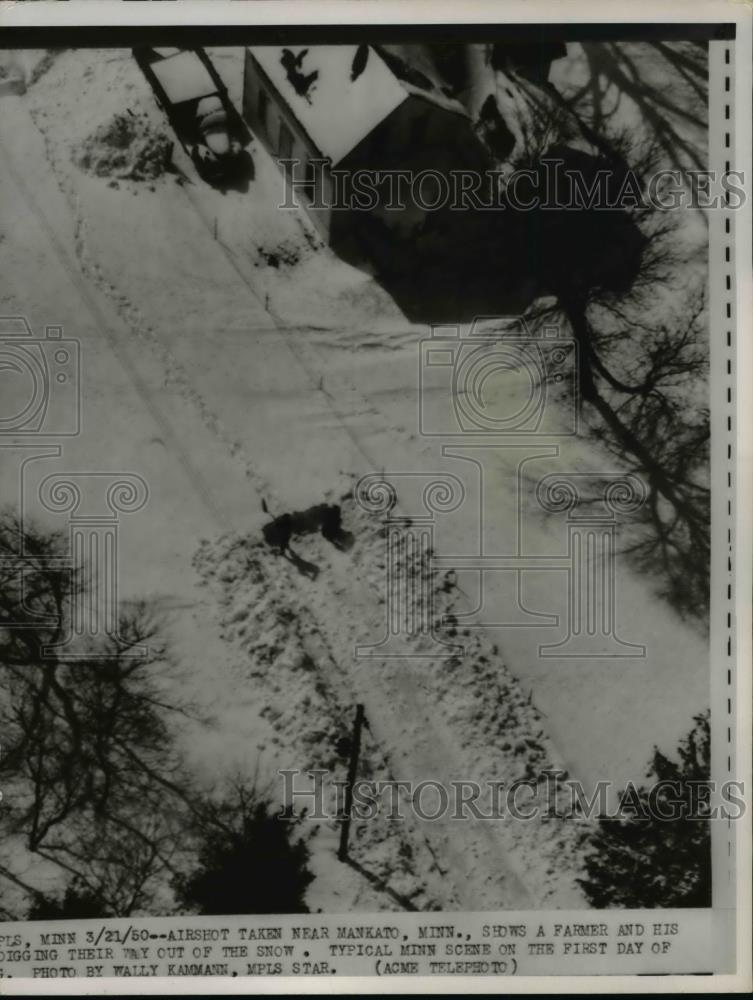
355	751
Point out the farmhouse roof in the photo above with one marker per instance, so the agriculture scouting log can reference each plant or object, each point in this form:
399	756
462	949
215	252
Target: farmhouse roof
338	93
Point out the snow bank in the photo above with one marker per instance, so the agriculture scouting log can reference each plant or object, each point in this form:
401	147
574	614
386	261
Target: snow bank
126	147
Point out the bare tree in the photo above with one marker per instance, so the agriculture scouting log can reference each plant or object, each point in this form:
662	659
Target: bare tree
643	366
92	782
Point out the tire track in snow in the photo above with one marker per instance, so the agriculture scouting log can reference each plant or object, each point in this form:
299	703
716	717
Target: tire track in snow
88	269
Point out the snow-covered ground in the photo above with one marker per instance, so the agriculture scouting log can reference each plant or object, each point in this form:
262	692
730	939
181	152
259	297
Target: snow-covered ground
221	380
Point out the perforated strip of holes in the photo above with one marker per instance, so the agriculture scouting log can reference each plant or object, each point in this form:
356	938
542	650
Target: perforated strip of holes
728	306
